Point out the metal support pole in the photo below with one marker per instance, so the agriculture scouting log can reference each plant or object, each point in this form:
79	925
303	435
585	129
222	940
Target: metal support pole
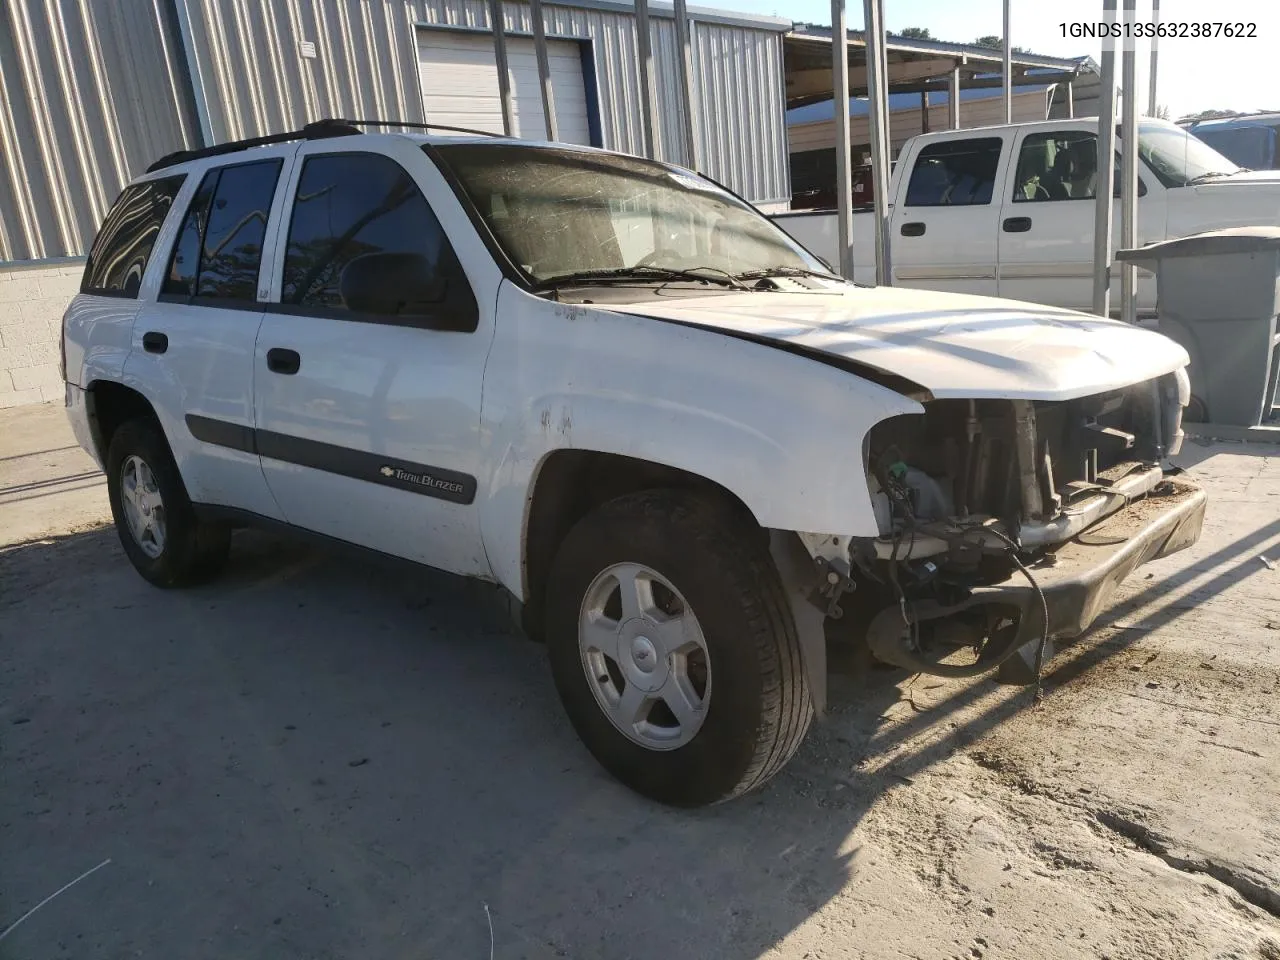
648	82
1006	71
684	64
953	99
1105	179
1129	170
840	103
1071	100
1152	106
877	101
924	111
544	68
504	76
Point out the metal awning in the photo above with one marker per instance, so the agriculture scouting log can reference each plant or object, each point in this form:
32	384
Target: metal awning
914	66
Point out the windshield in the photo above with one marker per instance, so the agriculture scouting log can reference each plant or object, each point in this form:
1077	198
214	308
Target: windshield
559	212
1177	158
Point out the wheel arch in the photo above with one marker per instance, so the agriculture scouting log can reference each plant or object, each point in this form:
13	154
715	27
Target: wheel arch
109	404
568	484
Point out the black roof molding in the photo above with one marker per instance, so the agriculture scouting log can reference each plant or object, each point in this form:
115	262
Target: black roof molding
317	130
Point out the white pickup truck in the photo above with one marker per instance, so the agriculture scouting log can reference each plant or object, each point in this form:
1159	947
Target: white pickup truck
1008	211
689	454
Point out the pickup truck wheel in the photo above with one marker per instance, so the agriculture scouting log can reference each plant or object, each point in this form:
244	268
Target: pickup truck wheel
154	519
674	650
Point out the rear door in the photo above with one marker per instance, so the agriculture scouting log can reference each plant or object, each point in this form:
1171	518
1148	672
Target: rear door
944	231
194	344
369	423
1046	224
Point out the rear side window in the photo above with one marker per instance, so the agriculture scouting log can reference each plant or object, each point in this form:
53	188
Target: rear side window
955	173
123	245
349	205
219	247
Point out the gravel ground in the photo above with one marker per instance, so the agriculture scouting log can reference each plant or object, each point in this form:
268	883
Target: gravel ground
317	757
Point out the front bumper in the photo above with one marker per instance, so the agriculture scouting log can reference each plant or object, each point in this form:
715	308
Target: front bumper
1078	580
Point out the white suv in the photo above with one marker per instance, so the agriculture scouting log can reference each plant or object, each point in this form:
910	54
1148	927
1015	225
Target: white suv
692	455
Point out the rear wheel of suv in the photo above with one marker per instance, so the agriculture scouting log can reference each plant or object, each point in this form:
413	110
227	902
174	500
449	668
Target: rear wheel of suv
158	528
674	650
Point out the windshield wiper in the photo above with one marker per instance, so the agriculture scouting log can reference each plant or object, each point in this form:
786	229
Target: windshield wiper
1208	176
717	276
787	272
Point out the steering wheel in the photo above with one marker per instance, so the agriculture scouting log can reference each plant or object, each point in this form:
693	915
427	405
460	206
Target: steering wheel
650	259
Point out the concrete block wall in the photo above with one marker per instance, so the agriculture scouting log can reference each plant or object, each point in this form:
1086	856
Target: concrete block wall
32	301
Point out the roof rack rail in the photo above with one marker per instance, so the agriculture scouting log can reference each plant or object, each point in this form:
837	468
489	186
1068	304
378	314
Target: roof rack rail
317	130
425	126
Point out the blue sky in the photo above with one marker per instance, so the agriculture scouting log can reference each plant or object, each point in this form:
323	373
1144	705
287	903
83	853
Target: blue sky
1195	74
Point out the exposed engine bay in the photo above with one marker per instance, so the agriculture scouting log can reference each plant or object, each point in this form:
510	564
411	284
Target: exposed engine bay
979	501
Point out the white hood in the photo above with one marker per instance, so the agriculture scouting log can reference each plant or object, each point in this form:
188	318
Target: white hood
953	345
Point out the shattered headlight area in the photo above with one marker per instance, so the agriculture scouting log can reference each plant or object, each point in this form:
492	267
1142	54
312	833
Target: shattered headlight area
1006	522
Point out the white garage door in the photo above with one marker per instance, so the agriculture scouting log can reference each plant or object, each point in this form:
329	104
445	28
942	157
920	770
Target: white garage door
460	84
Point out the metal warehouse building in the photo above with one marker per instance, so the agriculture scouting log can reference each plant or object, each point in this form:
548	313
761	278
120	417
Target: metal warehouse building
91	91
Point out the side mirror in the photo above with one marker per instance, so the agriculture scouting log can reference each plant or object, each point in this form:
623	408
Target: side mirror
392	284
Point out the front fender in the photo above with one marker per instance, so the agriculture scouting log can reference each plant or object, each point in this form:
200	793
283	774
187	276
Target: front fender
782	432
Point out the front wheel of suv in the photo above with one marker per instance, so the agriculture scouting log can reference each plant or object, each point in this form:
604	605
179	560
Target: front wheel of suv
157	526
674	650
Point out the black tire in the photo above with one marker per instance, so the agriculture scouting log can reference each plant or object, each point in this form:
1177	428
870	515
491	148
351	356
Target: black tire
759	708
193	551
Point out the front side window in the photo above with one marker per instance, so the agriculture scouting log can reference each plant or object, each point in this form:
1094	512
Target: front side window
955	173
350	206
1062	165
123	245
559	212
219	247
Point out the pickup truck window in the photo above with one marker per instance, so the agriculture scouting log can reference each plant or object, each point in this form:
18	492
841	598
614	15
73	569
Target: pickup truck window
556	212
219	248
123	245
1177	158
954	173
351	204
1062	165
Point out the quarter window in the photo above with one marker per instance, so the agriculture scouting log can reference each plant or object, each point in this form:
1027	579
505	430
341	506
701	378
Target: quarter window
955	173
219	247
349	205
123	245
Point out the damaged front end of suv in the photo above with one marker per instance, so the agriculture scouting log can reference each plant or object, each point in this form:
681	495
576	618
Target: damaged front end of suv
1005	523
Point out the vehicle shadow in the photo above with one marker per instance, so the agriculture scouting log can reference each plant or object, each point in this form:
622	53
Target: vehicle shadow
1197	452
318	756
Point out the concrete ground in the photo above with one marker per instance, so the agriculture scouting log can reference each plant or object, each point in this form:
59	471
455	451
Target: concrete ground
318	758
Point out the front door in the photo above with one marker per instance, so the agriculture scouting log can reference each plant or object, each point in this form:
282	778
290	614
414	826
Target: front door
1046	224
944	233
368	423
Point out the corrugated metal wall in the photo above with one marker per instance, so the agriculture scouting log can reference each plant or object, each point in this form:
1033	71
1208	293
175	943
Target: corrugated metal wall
256	81
91	91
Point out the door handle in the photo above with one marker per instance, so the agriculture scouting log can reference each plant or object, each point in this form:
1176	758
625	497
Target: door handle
154	342
280	360
913	229
1017	225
